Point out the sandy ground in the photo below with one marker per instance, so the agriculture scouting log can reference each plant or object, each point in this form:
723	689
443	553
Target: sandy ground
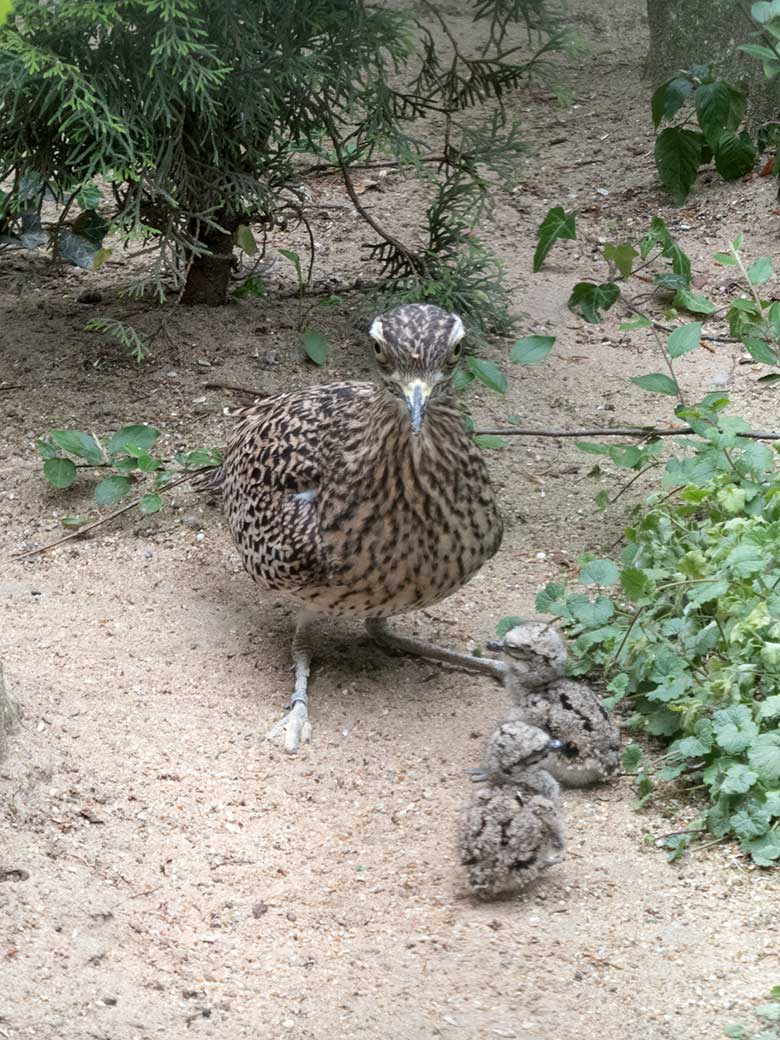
164	871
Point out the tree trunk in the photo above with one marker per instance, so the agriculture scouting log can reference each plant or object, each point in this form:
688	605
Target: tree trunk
209	275
708	32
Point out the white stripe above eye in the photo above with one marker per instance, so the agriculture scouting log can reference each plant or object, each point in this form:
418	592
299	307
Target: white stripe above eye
457	332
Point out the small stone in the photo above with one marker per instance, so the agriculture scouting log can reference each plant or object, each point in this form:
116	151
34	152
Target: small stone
291	915
259	910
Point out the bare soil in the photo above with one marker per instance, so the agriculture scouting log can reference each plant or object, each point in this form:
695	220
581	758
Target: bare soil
167	872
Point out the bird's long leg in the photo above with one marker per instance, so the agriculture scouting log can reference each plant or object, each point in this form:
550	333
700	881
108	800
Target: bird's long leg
296	725
378	629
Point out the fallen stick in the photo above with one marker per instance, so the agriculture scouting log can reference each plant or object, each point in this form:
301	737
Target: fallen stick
636	431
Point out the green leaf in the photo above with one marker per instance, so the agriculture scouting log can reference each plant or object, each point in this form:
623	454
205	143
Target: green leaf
315	346
771	1012
599	572
46	449
725	259
760	350
589	299
5	9
677	158
761	271
632	756
734	155
549	596
111	490
506	624
694	302
635	583
245	240
90	226
684	339
89	196
60	472
83	445
489	442
738	779
657	383
735	1032
150	503
556	224
713	107
636	323
487	373
622	256
764	851
764	757
295	260
531	349
253	286
669	98
131	440
734	728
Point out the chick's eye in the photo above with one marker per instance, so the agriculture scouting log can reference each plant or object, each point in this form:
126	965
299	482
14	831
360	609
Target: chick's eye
379	354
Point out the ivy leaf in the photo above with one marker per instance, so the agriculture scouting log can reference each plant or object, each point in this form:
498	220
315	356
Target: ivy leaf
60	472
506	624
684	339
315	346
590	299
599	572
677	158
622	256
694	302
657	383
556	224
531	349
111	490
83	445
487	373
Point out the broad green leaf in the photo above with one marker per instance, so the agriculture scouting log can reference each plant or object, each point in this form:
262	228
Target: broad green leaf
764	851
199	458
622	256
133	439
684	339
735	1032
677	158
150	503
315	346
295	260
549	596
764	757
734	728
89	196
760	350
725	259
531	349
488	441
694	302
632	756
657	383
770	1012
245	240
734	154
83	445
761	271
556	224
60	472
111	490
738	779
765	10
46	449
487	373
635	583
669	98
506	624
770	708
590	299
599	572
713	106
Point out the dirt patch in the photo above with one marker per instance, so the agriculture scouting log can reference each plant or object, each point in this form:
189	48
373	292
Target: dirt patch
166	872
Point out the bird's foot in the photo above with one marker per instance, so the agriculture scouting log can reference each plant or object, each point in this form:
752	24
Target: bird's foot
295	725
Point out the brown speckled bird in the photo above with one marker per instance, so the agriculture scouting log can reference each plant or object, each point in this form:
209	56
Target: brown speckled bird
365	500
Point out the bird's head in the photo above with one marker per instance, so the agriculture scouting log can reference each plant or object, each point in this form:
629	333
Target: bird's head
534	644
417	348
531	744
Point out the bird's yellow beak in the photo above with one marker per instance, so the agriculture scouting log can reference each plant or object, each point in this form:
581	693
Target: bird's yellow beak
416	394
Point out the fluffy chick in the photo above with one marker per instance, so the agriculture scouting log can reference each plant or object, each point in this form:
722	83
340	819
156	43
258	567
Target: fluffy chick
511	830
568	709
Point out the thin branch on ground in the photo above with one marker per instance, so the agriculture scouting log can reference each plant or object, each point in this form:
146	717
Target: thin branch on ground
637	431
253	391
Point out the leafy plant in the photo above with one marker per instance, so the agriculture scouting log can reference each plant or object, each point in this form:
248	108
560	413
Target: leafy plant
719	108
200	116
127	458
768	1013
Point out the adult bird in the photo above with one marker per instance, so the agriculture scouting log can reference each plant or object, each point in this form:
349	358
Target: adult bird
365	500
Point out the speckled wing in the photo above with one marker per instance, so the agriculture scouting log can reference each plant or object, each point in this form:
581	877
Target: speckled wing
272	475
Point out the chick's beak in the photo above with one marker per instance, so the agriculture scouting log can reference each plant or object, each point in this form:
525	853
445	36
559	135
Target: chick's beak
495	645
416	394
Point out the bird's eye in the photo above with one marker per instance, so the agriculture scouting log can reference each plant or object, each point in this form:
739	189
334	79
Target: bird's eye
379	354
455	354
